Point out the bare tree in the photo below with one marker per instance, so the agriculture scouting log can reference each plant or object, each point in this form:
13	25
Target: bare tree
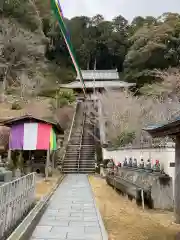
29	87
125	115
20	51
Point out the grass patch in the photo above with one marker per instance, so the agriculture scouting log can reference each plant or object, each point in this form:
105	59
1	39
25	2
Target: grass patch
124	220
44	187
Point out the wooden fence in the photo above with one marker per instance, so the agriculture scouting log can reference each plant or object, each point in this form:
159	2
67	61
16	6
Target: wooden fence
16	199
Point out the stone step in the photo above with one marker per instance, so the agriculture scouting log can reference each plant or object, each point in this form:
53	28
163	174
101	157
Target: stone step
89	145
70	159
75	138
73	159
70	169
87	170
80	161
86	166
87	154
73	146
72	153
70	165
92	148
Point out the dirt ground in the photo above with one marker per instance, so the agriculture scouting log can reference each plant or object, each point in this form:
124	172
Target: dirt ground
44	187
124	220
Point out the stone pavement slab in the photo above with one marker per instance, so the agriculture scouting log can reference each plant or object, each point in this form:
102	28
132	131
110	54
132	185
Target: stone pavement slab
71	213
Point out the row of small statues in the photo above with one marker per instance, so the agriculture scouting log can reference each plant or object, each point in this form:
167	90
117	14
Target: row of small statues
148	166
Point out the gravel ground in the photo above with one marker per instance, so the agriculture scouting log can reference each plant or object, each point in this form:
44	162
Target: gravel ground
44	187
124	220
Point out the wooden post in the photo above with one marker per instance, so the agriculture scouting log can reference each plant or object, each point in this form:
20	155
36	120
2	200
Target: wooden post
9	156
177	181
20	164
47	164
142	198
53	161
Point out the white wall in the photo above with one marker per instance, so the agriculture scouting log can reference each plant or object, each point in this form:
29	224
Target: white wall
164	155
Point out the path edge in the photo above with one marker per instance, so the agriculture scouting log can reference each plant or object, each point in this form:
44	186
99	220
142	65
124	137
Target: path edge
26	227
101	223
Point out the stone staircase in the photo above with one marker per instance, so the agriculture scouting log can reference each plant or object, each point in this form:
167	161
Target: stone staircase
80	153
87	153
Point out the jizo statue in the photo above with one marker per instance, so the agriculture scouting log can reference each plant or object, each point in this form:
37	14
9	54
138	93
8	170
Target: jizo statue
148	164
125	163
135	163
130	162
157	166
141	165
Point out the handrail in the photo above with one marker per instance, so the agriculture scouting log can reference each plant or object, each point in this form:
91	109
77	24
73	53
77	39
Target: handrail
70	132
82	132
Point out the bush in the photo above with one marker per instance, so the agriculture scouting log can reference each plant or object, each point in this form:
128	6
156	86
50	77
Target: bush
16	106
125	138
67	94
62	98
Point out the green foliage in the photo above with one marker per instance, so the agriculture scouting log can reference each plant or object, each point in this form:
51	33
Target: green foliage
22	10
66	94
16	106
154	46
135	49
125	138
62	98
94	40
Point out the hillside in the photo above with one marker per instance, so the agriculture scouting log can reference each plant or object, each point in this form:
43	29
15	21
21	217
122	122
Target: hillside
26	75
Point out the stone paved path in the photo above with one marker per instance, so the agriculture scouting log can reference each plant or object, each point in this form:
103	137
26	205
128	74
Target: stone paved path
71	213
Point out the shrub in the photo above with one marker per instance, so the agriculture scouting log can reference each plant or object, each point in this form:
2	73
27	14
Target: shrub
125	138
16	106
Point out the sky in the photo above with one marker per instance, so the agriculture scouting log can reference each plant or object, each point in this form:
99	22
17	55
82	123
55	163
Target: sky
110	8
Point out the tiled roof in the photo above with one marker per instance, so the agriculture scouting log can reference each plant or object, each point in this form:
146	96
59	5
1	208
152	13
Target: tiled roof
98	84
10	122
164	129
99	75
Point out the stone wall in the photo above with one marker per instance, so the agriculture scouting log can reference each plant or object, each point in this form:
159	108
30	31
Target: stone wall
160	185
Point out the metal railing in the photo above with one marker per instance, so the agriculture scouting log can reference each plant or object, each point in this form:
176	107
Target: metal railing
16	199
70	132
74	116
80	146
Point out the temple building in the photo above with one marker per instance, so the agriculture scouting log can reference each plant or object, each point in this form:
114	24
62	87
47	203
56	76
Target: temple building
98	81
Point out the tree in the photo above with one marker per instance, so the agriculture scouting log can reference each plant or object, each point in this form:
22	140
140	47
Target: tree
154	46
139	22
20	51
96	20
